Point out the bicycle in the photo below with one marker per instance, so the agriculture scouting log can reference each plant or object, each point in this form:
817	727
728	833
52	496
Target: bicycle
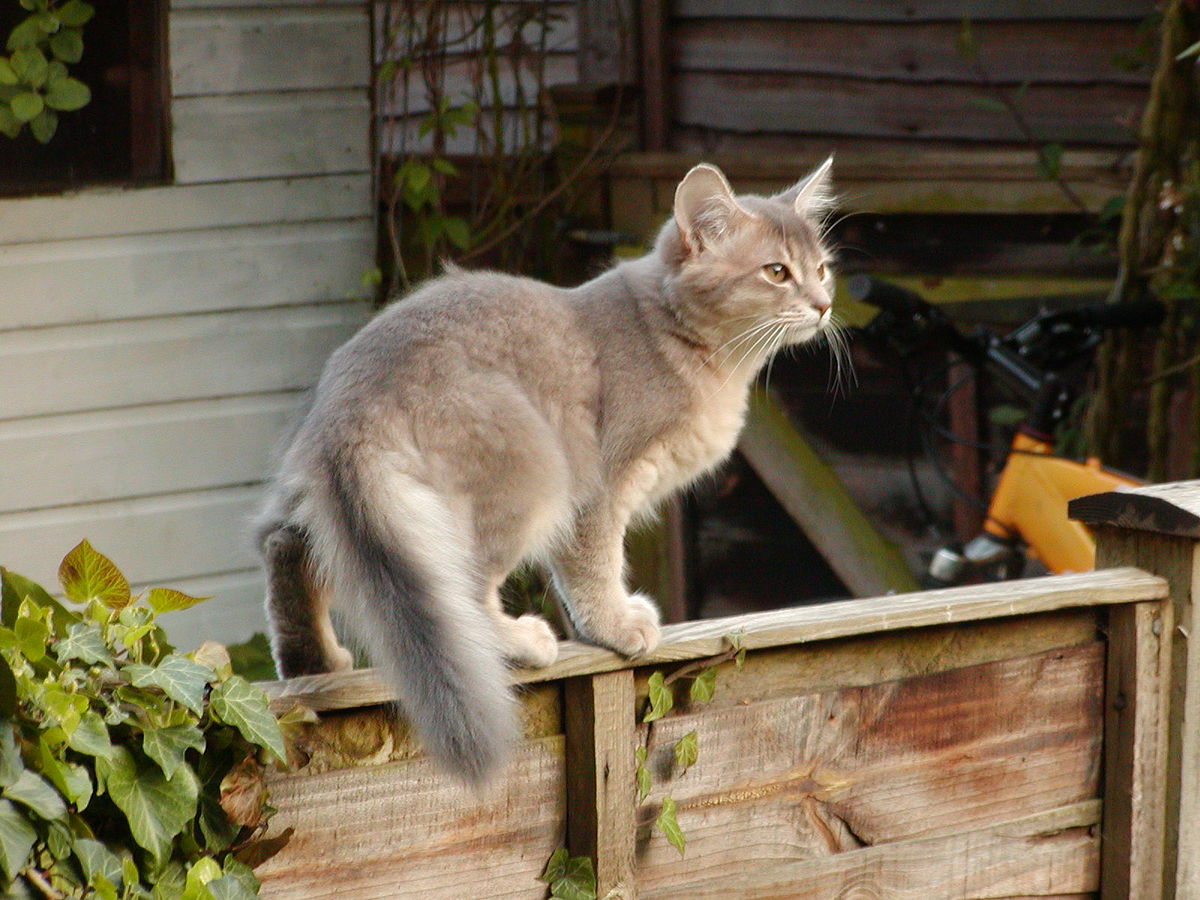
1026	514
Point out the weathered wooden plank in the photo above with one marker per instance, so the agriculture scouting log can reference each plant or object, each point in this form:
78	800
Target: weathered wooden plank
601	740
153	539
934	755
826	621
1176	559
108	212
875	658
72	369
607	42
157	449
405	830
805	104
1136	724
1035	858
270	135
1011	53
109	278
1170	509
907	11
223	4
866	562
465	37
233	51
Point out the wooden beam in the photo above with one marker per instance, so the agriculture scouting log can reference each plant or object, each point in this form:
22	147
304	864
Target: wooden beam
653	49
813	495
601	740
1135	751
825	621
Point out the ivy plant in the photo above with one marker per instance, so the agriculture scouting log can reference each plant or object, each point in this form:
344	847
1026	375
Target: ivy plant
35	82
128	770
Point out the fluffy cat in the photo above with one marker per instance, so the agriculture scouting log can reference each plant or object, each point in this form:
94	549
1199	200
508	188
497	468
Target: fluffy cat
488	419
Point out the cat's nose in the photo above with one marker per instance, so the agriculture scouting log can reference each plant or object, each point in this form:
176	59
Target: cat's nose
821	303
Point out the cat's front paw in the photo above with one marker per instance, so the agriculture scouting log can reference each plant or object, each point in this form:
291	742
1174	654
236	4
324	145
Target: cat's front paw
637	633
532	643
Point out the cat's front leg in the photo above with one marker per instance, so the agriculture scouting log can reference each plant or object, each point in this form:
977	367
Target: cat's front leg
589	575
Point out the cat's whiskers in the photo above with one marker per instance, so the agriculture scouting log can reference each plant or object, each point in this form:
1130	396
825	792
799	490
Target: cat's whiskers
765	334
733	342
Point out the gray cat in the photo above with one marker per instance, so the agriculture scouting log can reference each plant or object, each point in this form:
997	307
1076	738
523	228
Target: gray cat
487	419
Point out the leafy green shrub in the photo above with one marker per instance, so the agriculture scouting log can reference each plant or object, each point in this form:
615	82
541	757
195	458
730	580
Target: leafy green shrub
127	769
35	84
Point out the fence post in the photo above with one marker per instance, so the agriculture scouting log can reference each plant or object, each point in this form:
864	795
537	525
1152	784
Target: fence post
1157	528
601	732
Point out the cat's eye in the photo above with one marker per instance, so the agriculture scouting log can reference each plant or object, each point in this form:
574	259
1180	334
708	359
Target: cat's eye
776	272
821	271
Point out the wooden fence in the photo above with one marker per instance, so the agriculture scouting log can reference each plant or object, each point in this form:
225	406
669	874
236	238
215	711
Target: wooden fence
1005	740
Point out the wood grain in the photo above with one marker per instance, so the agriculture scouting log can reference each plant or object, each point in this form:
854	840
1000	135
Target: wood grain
924	10
830	772
1171	509
599	718
1045	855
405	830
1137	703
827	621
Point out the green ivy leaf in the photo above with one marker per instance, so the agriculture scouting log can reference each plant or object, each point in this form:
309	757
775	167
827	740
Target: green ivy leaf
176	676
90	736
686	751
31	66
703	686
669	826
26	105
48	22
71	779
11	764
661	698
158	809
9	126
75	13
570	877
67	45
167	746
238	703
96	859
227	887
32	637
8	75
16	838
87	574
33	791
164	600
83	642
645	782
202	871
445	167
17	589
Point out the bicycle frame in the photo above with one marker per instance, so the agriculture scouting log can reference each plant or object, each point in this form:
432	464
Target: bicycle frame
1030	503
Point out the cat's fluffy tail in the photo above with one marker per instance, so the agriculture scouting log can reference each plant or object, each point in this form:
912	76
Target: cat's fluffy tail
401	567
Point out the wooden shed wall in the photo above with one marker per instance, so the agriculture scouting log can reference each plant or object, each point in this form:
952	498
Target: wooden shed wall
154	343
769	75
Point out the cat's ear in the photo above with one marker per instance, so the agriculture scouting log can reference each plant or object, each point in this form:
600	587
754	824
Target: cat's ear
813	194
704	207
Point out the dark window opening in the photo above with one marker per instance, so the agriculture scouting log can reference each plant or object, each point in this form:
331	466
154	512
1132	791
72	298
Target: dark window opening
120	137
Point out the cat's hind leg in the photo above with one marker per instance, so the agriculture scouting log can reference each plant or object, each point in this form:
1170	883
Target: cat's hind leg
303	641
528	639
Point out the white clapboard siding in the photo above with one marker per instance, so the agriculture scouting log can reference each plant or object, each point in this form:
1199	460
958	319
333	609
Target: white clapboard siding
152	539
234	612
234	51
97	279
85	367
105	212
141	451
224	138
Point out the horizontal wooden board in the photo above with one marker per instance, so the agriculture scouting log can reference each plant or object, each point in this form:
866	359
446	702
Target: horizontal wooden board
1040	857
465	34
105	279
218	138
164	540
806	104
158	449
930	756
233	51
827	621
108	212
920	10
270	4
52	371
405	830
1010	53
